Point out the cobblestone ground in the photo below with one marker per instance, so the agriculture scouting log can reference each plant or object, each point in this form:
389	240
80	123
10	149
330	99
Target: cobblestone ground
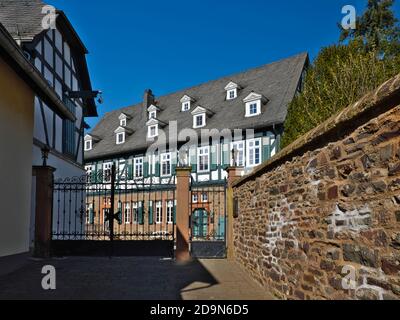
133	279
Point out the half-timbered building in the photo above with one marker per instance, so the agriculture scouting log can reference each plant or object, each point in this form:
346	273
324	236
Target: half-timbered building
51	44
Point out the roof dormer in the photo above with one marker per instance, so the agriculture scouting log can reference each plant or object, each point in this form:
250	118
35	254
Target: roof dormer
254	102
232	90
152	111
123	119
200	115
186	102
89	141
153	126
121	133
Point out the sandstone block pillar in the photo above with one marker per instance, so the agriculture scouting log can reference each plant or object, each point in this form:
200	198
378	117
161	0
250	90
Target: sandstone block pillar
182	253
43	210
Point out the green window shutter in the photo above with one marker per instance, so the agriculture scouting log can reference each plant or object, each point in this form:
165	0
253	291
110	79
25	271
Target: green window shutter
157	171
91	216
93	178
266	152
141	213
193	162
174	213
129	171
173	170
151	221
146	169
119	213
214	158
225	157
99	176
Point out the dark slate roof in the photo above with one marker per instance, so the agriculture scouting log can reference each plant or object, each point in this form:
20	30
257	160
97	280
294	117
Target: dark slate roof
277	82
22	18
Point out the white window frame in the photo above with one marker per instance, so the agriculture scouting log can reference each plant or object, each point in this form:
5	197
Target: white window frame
127	213
90	147
195	198
89	170
204	197
155	126
107	167
248	108
228	94
165	158
122	122
152	115
159	212
203	120
88	207
138	162
170	211
241	148
252	148
186	106
119	134
203	152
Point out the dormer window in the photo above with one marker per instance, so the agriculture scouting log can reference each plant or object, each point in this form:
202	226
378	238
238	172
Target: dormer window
152	115
153	126
152	110
89	140
199	121
121	138
186	103
88	145
200	117
121	133
153	131
123	119
253	103
232	90
232	94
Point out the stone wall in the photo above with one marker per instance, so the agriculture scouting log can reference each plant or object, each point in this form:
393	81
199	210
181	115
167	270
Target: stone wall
326	210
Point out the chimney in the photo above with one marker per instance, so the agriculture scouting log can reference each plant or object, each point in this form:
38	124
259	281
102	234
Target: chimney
148	100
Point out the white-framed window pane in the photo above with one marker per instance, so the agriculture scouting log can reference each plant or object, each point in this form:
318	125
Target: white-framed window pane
170	212
159	212
166	164
239	151
139	167
88	145
127	213
254	152
107	172
204	159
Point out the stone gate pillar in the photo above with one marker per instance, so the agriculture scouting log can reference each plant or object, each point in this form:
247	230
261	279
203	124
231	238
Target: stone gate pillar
182	253
43	210
234	173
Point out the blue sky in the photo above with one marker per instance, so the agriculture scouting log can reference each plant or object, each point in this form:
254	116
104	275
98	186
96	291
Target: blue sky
171	45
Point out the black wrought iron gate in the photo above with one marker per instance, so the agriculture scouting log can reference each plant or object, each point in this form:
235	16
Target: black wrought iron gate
111	213
208	222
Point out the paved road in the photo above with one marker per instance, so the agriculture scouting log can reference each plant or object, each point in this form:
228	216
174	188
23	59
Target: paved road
134	279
